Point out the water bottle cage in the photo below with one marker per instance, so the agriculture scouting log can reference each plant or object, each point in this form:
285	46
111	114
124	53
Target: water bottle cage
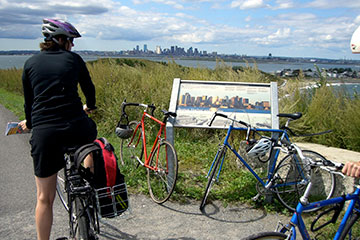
337	209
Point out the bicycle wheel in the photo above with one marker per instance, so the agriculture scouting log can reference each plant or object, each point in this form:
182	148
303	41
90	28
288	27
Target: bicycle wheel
61	190
349	232
294	175
131	152
266	235
81	226
162	180
212	178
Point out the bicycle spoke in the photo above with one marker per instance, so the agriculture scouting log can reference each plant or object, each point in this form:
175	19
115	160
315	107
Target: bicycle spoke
61	190
212	177
162	178
131	150
293	175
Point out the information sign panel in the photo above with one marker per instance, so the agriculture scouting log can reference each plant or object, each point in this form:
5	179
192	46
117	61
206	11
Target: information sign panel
196	101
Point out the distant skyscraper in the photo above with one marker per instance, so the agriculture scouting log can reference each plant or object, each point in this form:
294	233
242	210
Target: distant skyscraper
190	51
137	48
145	48
158	50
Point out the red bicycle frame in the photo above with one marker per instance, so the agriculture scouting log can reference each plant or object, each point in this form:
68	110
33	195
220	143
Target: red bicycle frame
161	132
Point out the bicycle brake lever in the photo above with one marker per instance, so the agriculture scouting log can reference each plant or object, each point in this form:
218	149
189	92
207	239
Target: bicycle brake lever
333	169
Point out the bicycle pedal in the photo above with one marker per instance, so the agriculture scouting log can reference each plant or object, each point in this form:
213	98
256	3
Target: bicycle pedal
256	197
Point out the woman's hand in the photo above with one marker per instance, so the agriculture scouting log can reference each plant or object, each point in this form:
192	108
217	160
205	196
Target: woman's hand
23	126
352	169
88	110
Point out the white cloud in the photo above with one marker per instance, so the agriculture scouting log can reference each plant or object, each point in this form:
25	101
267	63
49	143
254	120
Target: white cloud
284	4
247	4
280	33
333	4
171	3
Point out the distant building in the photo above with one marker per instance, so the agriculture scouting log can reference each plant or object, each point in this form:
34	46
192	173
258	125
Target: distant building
145	48
196	51
158	50
190	51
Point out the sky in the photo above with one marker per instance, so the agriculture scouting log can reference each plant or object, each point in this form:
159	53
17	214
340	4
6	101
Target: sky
288	28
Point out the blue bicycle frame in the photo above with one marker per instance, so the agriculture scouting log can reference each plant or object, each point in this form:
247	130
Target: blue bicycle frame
283	135
297	220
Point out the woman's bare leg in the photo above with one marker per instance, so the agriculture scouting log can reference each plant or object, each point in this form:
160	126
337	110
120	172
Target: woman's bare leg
46	189
89	162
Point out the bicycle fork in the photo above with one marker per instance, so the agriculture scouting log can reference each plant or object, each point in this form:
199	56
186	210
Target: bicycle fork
220	150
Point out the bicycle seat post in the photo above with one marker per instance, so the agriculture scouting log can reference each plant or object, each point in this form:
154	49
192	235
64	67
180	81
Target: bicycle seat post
287	122
305	198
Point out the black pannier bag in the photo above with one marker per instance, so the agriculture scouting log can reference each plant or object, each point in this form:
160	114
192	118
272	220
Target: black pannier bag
109	184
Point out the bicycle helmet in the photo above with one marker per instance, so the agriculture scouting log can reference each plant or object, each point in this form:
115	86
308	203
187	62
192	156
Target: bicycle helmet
260	148
54	27
124	131
355	41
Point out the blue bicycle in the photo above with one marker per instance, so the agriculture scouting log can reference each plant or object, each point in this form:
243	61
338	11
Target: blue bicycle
345	229
286	179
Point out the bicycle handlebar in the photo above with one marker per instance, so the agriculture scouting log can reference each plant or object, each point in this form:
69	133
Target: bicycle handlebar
232	119
225	116
125	104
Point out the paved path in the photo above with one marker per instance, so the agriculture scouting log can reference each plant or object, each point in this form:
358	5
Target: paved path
147	220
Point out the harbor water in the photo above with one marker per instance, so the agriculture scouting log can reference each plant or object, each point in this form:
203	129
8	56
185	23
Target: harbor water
17	61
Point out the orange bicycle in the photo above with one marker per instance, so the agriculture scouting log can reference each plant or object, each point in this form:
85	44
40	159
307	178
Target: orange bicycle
161	163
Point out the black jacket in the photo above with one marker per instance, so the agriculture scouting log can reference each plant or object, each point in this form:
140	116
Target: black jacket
50	80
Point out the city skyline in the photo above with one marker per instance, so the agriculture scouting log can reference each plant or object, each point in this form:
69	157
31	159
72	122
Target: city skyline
236	102
291	28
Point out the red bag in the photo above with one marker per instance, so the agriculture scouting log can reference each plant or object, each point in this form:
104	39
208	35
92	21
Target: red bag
109	183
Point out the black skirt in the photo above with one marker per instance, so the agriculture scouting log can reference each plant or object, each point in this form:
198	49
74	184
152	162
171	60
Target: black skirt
49	140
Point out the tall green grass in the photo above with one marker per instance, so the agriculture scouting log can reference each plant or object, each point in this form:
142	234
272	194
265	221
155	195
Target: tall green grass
324	109
150	82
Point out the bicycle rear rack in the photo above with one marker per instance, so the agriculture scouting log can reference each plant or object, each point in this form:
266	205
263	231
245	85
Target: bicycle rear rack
112	201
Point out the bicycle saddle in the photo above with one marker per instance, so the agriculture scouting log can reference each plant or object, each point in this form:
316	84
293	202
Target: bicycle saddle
293	116
166	113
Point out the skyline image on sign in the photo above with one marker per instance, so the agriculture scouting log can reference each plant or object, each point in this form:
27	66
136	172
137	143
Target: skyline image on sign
198	101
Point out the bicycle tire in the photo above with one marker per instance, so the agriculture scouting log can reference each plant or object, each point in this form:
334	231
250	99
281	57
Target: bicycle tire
161	183
211	179
348	227
266	236
292	172
61	189
82	223
130	153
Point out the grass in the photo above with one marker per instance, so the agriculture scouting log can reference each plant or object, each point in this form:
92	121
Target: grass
13	101
151	82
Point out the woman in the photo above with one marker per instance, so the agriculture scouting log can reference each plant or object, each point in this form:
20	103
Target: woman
54	111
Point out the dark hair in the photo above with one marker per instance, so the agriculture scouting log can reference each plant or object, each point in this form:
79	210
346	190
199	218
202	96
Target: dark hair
50	44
